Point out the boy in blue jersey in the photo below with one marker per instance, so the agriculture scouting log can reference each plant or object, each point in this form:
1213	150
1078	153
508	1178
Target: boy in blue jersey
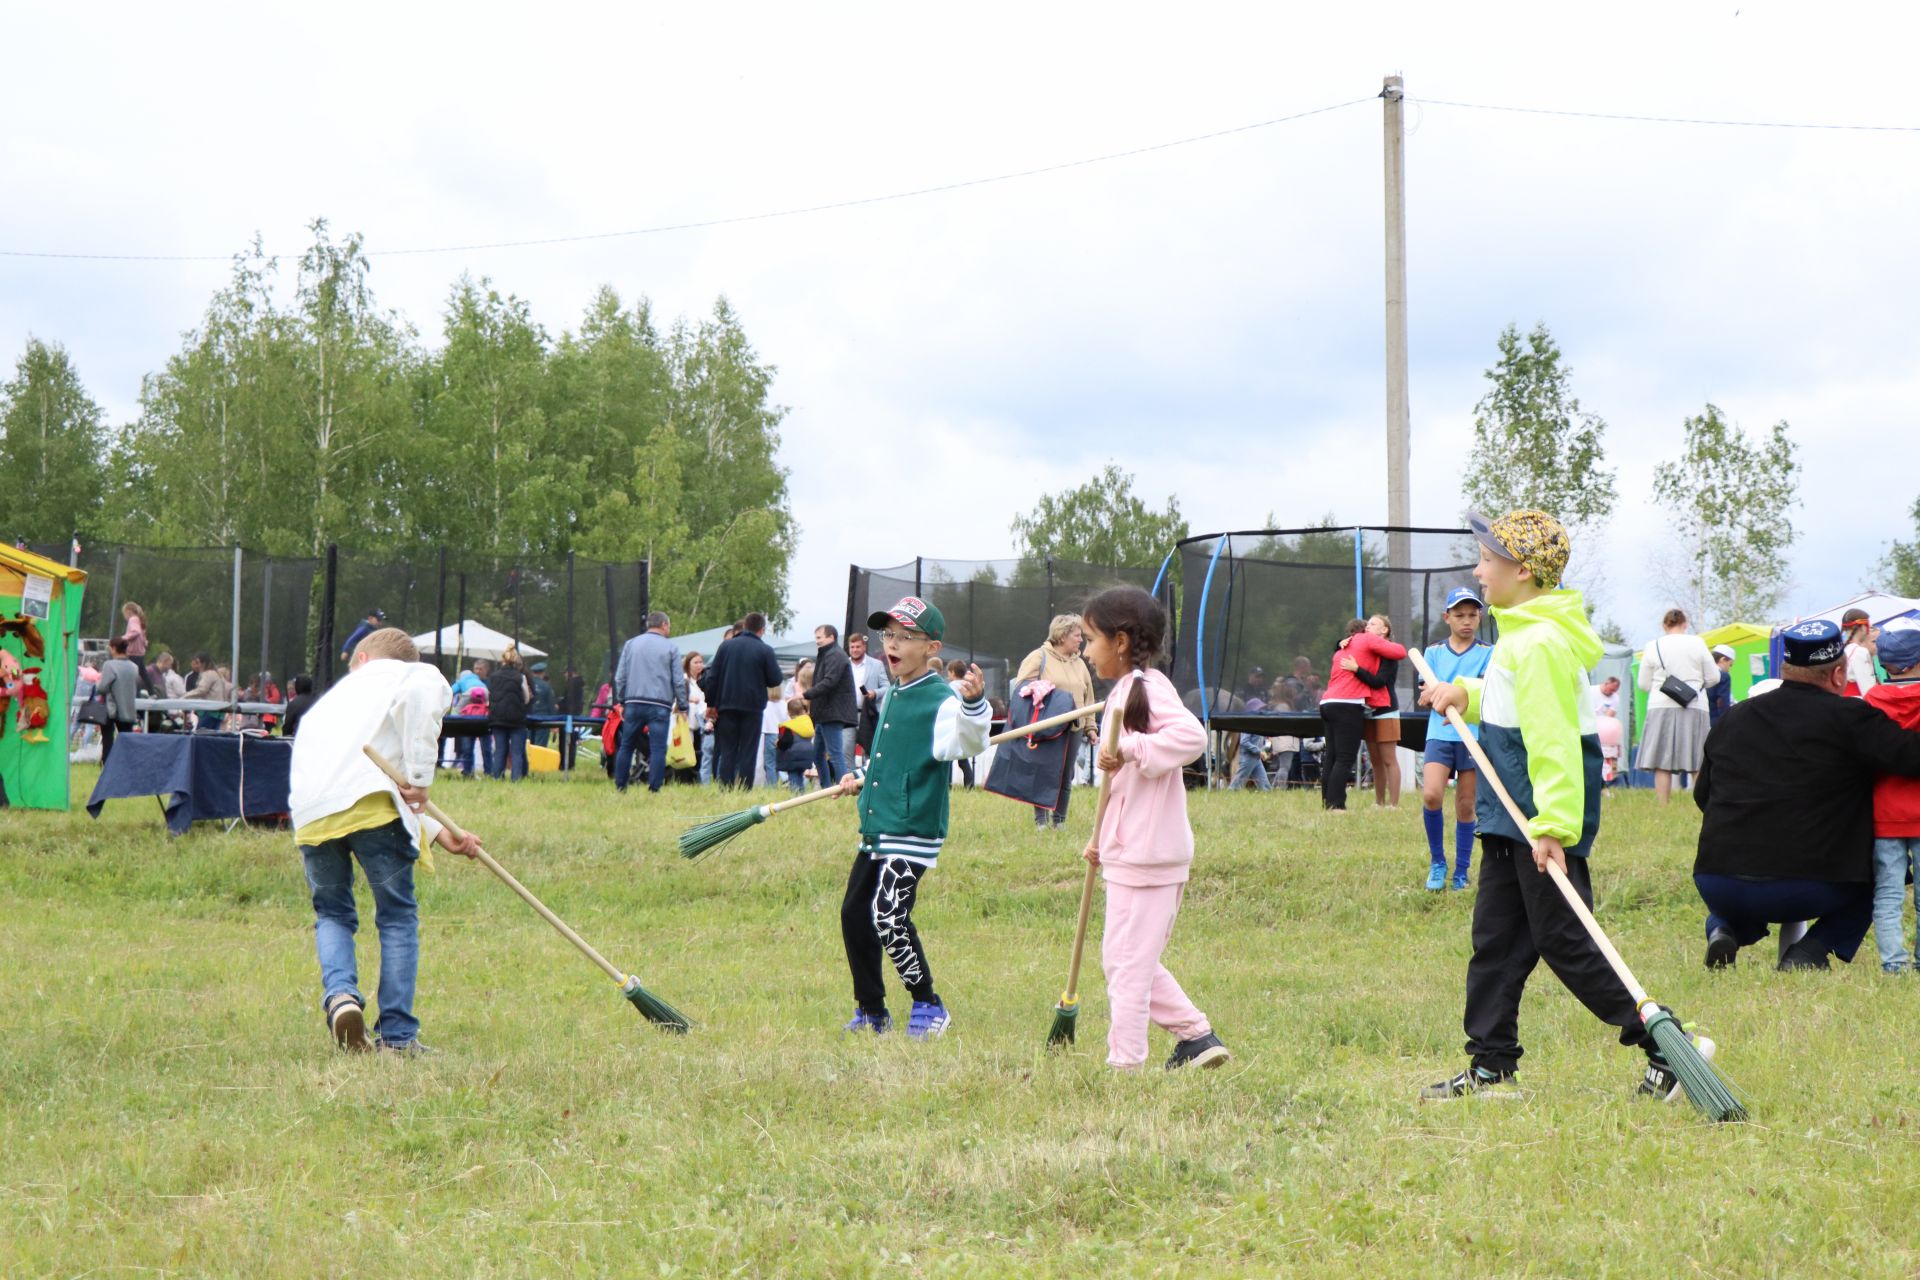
1460	655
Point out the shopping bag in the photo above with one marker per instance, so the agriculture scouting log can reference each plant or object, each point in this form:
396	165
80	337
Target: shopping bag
680	752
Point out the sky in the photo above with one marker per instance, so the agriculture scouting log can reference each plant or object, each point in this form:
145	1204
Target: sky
1207	316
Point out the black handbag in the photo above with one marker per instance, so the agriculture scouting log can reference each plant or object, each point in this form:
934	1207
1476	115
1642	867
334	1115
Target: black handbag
1673	686
92	711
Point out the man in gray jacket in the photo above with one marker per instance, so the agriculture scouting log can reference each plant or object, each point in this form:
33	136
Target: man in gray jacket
648	683
119	686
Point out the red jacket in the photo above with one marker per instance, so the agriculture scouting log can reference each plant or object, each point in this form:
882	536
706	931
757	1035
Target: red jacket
1896	801
1366	649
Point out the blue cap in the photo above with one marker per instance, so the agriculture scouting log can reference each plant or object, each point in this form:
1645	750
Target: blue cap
1812	644
1461	595
1900	647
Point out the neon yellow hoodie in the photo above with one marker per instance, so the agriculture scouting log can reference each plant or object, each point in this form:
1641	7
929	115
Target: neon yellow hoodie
1539	721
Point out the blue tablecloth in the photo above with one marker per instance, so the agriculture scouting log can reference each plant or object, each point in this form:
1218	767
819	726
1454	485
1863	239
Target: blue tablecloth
199	776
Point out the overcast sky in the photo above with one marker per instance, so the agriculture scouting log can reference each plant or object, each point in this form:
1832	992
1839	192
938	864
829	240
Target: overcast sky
1207	316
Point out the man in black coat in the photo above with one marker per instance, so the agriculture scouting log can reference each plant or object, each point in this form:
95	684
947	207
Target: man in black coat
1786	788
832	704
742	677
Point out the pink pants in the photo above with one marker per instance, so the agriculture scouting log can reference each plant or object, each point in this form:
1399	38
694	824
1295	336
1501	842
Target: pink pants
1139	989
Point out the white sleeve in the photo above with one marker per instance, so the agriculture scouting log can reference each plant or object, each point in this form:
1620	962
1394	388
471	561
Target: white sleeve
420	705
961	729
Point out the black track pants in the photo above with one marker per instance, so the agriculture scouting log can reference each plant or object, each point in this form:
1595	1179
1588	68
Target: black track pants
1520	919
876	918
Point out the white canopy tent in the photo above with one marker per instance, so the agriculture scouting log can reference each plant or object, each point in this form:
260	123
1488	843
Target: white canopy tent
469	640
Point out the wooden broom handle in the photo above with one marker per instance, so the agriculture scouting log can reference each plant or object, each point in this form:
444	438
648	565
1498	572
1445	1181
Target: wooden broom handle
1051	722
486	859
1109	737
1520	819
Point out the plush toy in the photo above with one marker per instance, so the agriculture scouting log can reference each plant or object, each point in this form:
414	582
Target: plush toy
10	683
34	713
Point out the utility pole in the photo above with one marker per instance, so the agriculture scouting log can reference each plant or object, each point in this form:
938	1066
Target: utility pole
1399	432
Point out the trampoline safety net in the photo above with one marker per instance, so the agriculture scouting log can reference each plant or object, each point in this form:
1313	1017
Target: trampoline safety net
997	611
1271	599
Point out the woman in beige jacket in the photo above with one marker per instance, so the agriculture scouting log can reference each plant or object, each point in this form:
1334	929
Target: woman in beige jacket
1059	663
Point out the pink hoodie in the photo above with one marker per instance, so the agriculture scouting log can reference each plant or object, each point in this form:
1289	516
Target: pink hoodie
1145	841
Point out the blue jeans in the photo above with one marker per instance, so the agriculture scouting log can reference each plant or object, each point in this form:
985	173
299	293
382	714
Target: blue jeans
706	756
769	757
655	719
1892	863
507	747
1746	907
463	753
386	858
830	753
1250	769
797	780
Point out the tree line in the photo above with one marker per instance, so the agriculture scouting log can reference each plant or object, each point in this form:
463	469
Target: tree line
301	412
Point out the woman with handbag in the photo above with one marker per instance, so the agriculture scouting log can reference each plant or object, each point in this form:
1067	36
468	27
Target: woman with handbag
1676	670
1059	663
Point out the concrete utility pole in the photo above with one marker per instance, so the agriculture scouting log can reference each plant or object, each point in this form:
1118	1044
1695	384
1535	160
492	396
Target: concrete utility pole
1399	433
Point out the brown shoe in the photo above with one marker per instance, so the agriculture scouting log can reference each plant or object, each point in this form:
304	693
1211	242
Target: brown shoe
348	1022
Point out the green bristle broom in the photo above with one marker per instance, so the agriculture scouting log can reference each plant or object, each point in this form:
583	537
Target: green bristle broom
1709	1094
714	832
651	1007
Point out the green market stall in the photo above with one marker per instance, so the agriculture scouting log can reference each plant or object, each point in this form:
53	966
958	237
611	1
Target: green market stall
39	657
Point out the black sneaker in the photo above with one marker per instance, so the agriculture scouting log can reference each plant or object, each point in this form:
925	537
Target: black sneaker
1721	949
1805	954
1662	1082
1474	1082
1201	1051
347	1020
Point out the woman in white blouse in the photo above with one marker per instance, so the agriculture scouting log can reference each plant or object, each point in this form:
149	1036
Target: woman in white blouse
1676	736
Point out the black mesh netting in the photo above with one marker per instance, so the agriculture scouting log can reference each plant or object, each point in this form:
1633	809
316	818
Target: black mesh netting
577	612
997	611
1276	598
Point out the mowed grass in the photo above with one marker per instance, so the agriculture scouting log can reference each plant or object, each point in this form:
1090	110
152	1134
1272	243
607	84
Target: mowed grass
169	1102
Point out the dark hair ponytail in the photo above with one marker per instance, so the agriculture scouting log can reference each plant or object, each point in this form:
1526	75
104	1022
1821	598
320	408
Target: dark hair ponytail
1133	613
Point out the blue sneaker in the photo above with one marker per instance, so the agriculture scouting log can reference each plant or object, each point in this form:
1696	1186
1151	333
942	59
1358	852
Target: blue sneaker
1460	878
927	1020
864	1021
1437	877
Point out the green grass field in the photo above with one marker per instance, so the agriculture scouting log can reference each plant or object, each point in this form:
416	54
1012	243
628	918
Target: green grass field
170	1103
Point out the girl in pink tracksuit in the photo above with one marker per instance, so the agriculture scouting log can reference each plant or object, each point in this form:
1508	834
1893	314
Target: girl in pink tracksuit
1144	845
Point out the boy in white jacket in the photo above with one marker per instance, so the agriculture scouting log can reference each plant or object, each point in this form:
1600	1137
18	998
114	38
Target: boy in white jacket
344	808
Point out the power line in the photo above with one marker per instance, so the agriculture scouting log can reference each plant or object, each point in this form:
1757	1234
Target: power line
741	218
1733	124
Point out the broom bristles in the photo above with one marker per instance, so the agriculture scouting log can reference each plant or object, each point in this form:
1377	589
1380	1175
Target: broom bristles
654	1009
1711	1096
1065	1014
711	834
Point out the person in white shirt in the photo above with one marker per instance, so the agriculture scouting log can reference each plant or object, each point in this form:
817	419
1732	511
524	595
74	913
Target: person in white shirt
344	808
1861	635
1609	699
1675	737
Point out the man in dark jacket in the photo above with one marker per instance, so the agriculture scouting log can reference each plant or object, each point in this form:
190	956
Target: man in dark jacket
832	704
743	676
1787	789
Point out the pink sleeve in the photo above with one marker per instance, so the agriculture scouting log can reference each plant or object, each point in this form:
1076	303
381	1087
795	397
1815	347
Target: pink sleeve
1179	739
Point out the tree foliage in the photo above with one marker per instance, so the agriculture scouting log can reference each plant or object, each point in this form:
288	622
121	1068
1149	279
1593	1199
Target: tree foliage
1101	522
286	422
52	449
1731	499
1533	445
1899	569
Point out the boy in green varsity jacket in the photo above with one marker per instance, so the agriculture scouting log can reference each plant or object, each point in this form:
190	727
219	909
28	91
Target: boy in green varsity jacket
1538	717
925	725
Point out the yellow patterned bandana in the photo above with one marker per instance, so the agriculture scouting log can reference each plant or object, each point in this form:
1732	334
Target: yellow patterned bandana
1532	538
